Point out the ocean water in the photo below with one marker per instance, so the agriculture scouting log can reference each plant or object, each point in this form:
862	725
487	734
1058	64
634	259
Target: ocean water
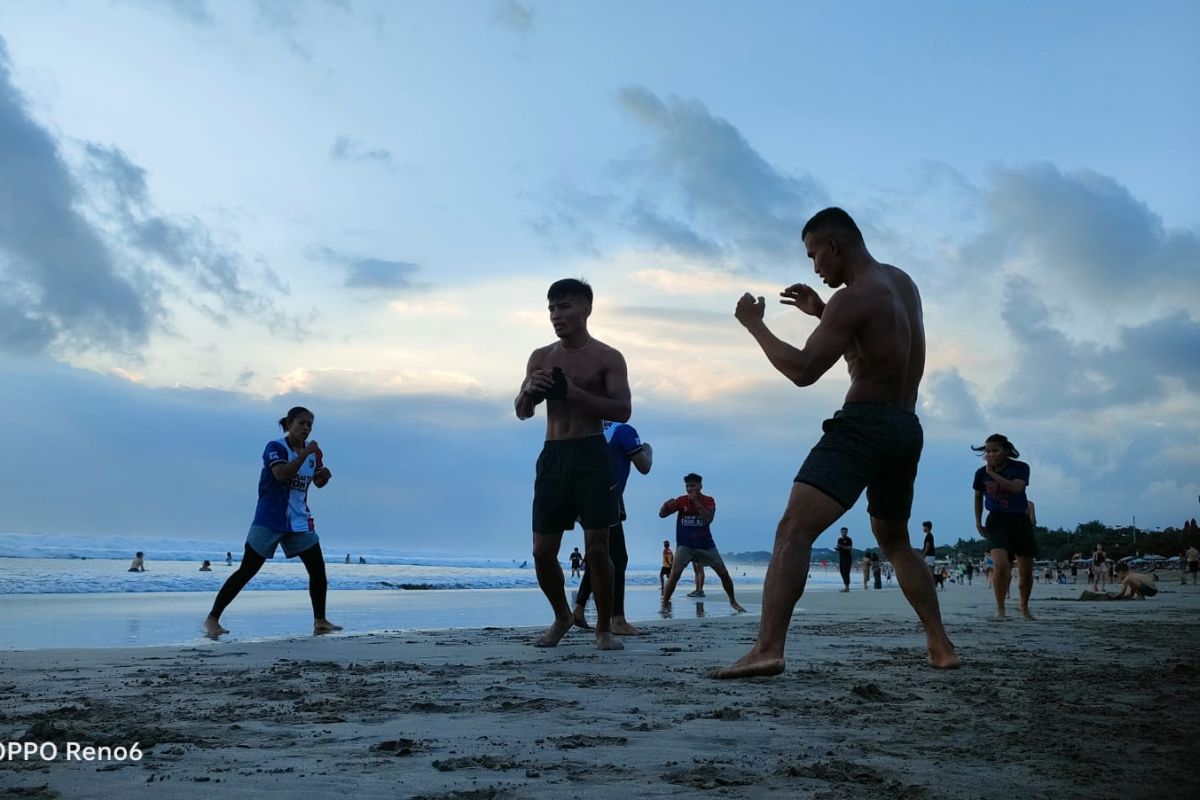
77	592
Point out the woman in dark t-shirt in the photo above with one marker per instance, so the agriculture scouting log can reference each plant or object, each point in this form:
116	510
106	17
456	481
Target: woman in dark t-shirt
1000	485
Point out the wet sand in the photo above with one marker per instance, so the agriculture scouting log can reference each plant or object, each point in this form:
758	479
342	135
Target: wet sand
1086	698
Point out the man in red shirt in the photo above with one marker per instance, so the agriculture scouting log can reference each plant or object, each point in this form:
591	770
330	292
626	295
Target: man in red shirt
693	538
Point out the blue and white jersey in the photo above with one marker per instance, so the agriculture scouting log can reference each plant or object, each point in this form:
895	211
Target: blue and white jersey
623	444
284	506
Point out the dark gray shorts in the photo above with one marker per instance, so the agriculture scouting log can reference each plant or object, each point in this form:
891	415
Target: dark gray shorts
867	446
574	483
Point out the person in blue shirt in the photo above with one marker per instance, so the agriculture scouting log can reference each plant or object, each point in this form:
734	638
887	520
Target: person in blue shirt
290	465
625	448
1000	486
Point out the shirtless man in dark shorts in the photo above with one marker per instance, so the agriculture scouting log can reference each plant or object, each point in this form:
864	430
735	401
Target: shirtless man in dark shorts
583	382
873	442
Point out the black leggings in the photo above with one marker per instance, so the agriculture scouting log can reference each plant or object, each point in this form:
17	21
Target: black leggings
620	560
252	562
844	568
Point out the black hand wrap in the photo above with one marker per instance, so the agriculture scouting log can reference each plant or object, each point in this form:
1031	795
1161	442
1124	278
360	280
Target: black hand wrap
559	390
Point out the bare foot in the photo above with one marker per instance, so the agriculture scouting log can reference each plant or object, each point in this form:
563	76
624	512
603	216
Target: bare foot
212	628
1025	612
749	666
558	630
324	626
999	617
606	641
580	621
944	657
737	607
622	628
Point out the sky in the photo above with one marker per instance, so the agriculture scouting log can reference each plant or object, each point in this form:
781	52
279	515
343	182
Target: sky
212	210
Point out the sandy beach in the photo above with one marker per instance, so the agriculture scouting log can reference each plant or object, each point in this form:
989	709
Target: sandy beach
1091	699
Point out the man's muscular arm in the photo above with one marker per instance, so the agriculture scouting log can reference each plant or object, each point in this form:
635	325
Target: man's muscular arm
616	404
827	343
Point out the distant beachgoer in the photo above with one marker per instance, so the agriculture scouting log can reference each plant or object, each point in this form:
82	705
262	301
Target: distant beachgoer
524	565
939	578
362	560
887	573
1134	586
290	465
1001	481
576	562
970	572
1193	563
625	449
877	572
1099	568
1074	571
583	383
228	558
866	570
139	562
928	549
206	566
874	442
693	536
668	558
347	558
845	551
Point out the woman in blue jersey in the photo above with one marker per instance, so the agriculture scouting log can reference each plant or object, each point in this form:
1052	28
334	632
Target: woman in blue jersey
290	464
1000	484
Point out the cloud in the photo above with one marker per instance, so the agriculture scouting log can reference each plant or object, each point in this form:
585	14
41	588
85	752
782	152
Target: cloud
948	401
1084	232
371	273
345	148
194	11
513	15
60	278
182	242
728	195
1055	373
349	383
699	190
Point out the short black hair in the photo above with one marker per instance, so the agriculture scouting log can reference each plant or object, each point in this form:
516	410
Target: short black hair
845	530
926	524
832	220
570	287
692	477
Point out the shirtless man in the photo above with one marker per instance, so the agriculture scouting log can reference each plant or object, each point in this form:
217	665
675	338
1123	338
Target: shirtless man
873	442
1134	586
583	382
